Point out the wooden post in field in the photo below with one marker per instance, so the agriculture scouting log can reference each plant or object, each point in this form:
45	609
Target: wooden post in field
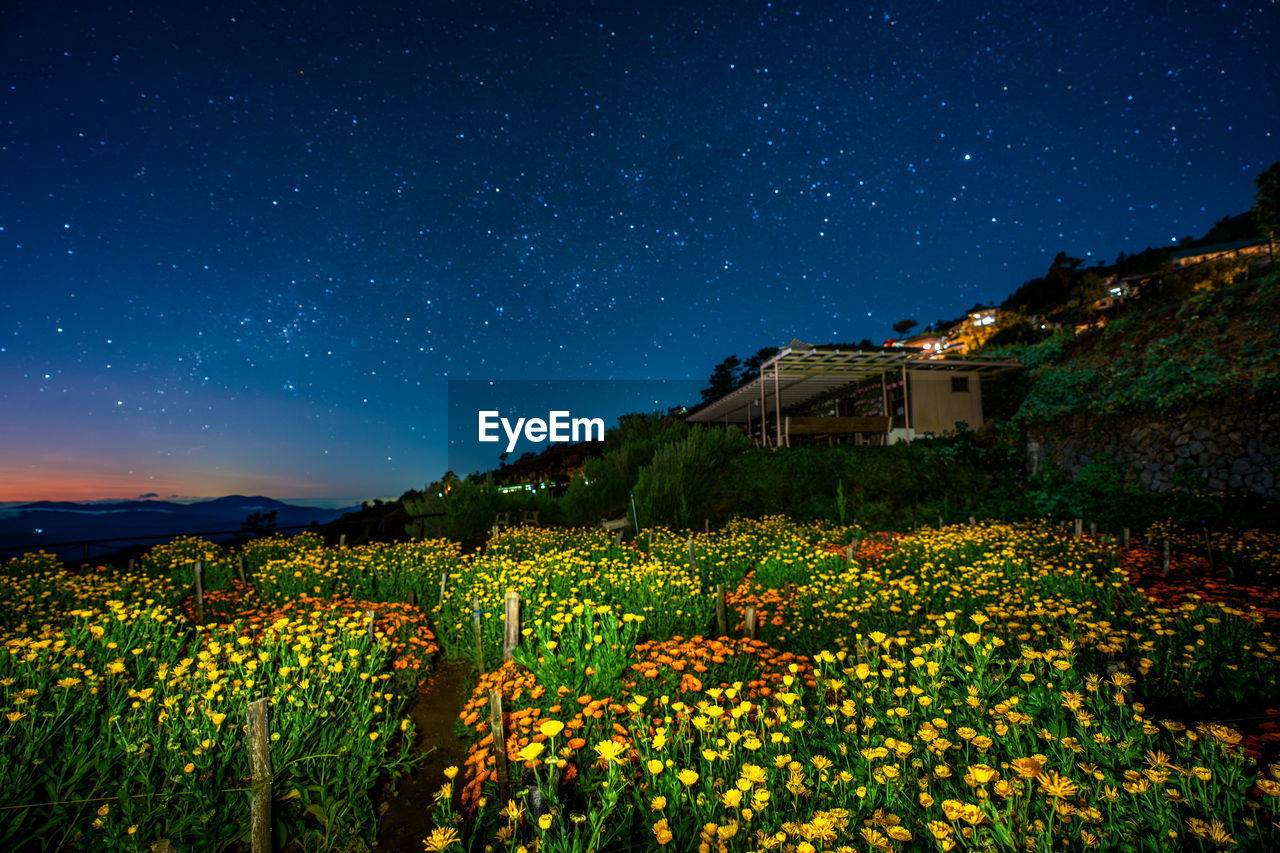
973	522
475	623
499	743
444	577
1165	561
1093	530
749	622
1125	540
706	525
131	564
511	627
939	522
199	570
1079	528
413	598
722	622
342	541
693	561
260	762
369	616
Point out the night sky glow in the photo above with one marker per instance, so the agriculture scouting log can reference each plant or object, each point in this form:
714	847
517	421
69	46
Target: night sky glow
243	247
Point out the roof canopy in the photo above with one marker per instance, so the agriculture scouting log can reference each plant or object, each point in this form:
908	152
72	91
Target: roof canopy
801	373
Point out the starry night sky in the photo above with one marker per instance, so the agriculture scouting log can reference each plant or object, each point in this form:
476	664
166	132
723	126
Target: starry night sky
244	247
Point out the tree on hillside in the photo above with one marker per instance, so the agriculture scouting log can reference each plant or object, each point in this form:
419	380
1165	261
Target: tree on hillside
1090	288
1014	329
751	369
1266	204
904	326
1063	270
259	524
1051	289
724	378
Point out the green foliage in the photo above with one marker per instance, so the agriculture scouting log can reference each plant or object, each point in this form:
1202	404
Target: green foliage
724	378
606	482
177	559
675	486
1113	495
1163	358
644	431
888	487
1266	204
1015	329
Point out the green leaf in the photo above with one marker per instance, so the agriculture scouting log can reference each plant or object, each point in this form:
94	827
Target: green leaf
319	814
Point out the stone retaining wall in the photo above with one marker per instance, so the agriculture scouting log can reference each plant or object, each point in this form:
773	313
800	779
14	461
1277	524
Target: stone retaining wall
1232	451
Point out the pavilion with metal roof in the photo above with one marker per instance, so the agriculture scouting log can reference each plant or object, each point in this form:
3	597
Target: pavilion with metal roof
802	372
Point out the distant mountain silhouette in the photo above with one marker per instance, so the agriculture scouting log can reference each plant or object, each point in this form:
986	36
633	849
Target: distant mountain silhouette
30	526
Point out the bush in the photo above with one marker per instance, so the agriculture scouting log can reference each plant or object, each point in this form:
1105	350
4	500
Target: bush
677	484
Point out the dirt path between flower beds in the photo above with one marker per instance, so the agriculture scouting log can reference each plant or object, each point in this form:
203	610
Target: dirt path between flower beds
407	820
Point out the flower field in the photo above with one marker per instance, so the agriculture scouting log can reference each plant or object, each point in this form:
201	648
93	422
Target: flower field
124	714
986	687
990	687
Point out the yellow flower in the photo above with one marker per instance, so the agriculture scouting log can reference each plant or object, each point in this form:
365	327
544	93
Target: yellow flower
544	822
1056	786
441	839
610	752
874	838
1027	768
981	774
551	728
662	832
531	752
655	766
688	777
658	803
104	809
451	771
190	768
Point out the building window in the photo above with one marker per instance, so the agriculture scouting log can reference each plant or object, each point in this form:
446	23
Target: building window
959	384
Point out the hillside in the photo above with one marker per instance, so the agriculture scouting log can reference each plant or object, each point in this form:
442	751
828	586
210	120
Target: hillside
1160	369
42	524
1194	340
